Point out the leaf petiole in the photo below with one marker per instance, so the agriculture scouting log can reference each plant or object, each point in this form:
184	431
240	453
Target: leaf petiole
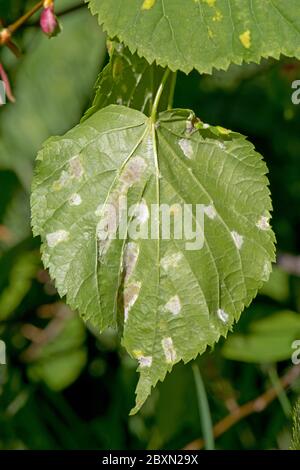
158	94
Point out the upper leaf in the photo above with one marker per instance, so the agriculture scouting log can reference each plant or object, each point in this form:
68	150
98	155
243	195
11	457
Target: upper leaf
169	301
203	34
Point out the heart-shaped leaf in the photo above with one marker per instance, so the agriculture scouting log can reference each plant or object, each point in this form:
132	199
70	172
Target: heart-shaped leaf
169	296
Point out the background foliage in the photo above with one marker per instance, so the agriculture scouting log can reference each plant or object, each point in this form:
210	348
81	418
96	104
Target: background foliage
61	375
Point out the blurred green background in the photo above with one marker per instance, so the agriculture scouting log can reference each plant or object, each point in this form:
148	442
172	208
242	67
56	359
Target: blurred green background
66	387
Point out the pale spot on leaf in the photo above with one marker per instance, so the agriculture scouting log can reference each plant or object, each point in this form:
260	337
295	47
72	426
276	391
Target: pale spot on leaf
210	211
76	169
145	361
75	200
55	238
171	261
141	212
186	147
238	239
62	181
174	305
223	316
267	268
169	351
263	223
131	255
133	171
131	294
149	145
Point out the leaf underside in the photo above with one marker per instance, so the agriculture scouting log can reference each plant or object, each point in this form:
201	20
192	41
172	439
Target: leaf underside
130	81
169	302
203	34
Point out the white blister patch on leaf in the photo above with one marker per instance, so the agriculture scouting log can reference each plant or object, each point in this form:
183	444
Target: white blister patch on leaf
186	147
75	200
210	211
170	303
169	350
238	239
145	361
173	305
55	238
223	315
263	223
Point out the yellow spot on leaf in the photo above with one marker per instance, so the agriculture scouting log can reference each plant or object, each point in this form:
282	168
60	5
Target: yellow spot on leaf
222	130
218	16
245	39
148	4
210	3
137	352
210	33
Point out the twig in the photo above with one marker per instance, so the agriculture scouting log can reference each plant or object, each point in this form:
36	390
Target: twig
6	33
254	406
17	24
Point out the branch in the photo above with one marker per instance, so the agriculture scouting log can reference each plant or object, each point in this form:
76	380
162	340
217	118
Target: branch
13	27
6	33
254	406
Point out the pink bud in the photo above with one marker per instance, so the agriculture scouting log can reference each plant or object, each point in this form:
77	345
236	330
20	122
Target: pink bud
48	21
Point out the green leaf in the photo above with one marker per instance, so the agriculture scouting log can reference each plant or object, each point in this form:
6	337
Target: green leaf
130	81
20	281
60	361
277	288
203	34
269	339
174	417
170	302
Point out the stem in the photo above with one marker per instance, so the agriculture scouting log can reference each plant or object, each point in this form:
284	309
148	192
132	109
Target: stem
172	90
254	406
282	396
158	94
17	24
205	417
